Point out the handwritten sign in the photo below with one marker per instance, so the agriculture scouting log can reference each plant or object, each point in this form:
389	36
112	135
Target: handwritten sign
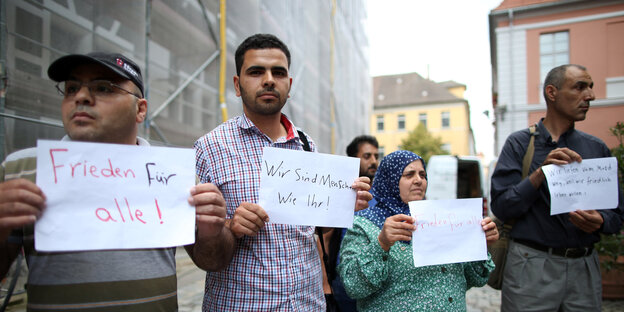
303	188
588	185
109	196
448	231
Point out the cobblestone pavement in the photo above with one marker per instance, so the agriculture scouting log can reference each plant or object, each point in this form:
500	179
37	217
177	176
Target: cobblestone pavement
191	290
487	299
483	299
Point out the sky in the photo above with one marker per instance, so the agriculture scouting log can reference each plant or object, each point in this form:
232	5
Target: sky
448	39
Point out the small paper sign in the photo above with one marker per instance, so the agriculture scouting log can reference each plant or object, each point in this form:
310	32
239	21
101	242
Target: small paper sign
589	185
303	188
448	231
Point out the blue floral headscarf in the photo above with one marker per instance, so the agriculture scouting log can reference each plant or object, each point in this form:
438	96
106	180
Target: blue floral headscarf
385	188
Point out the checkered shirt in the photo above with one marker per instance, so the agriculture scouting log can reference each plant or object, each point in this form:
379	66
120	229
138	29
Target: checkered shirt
279	269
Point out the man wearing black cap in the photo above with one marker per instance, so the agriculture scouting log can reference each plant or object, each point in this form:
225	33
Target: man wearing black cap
102	102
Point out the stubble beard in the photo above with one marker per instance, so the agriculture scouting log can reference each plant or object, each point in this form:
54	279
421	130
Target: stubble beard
262	108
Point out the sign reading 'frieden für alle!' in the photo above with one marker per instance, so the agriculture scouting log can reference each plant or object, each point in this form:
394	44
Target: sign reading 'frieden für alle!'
303	188
109	196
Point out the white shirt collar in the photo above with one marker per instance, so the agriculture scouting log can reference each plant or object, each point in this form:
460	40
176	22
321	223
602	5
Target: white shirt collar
140	141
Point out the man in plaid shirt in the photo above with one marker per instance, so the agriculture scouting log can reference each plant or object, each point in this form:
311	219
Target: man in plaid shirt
265	266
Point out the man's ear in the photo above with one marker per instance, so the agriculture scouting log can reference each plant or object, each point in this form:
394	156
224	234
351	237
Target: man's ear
236	80
551	92
141	110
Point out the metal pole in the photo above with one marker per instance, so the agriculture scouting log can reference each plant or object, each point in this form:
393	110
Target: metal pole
223	58
332	71
512	104
37	121
186	83
160	134
13	282
3	74
148	13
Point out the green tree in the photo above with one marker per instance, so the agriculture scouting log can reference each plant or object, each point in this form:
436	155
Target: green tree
611	246
423	143
618	151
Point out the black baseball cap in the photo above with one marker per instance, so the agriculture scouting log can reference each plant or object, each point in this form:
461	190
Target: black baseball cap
59	70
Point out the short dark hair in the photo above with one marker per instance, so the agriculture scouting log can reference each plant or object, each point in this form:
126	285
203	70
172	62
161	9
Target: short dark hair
556	77
354	147
258	42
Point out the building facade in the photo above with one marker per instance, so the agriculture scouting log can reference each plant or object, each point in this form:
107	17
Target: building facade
530	37
177	45
401	102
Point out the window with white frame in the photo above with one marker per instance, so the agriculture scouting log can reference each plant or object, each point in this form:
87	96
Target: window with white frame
380	123
422	118
554	51
401	122
446	119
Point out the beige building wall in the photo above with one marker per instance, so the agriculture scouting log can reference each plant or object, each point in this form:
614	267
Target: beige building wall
456	137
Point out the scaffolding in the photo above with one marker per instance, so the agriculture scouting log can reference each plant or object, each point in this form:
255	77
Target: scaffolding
187	68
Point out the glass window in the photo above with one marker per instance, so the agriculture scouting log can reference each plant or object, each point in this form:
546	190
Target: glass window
381	152
28	25
422	118
545	42
446	119
401	122
380	123
446	147
554	51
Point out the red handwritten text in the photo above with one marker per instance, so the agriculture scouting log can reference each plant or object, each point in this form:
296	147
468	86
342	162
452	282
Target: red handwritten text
158	209
85	169
105	215
449	221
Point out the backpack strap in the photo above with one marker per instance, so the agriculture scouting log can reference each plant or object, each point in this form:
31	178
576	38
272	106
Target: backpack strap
528	156
304	140
526	164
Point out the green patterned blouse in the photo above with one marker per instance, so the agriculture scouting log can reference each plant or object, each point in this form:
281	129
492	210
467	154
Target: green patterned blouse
389	281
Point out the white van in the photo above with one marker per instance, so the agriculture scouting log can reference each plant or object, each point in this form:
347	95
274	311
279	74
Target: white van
451	177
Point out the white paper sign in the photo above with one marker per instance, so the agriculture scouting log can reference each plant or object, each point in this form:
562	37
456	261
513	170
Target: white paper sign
110	196
448	231
303	188
589	185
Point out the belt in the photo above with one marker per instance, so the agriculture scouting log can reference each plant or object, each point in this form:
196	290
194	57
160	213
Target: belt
562	252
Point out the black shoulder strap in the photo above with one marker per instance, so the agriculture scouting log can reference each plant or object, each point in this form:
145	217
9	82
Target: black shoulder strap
319	231
304	140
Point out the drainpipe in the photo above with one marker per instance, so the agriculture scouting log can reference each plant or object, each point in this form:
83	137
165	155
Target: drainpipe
3	74
148	26
332	95
512	104
223	59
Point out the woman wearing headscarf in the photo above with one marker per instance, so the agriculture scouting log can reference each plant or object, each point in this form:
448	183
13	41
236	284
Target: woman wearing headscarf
376	261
